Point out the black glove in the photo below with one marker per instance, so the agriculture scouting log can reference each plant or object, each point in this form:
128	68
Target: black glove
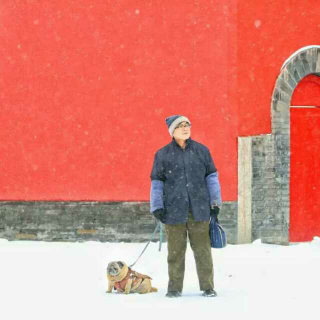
159	214
214	211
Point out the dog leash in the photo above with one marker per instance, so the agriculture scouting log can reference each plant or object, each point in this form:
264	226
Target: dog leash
160	242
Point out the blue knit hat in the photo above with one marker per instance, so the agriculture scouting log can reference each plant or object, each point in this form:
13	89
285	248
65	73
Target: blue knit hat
173	121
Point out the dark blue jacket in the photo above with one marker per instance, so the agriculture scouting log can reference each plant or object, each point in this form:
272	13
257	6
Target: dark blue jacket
183	180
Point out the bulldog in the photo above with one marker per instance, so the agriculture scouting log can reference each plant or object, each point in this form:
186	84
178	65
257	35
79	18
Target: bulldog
124	280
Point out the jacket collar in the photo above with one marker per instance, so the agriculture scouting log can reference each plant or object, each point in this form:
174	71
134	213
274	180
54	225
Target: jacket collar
174	142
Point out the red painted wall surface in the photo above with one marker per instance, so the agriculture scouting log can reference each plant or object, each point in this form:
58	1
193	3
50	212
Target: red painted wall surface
305	161
86	86
304	174
307	93
268	33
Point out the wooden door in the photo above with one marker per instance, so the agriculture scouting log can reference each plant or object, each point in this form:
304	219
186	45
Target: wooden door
304	174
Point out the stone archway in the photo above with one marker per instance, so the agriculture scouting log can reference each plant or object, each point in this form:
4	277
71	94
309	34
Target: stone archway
264	198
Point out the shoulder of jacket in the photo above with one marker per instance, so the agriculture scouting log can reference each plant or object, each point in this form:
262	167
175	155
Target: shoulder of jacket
164	149
199	145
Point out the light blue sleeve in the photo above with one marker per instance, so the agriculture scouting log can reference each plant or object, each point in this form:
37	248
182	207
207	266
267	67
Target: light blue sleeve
156	195
214	188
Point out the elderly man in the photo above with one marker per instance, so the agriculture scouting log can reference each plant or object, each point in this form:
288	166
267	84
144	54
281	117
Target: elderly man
185	191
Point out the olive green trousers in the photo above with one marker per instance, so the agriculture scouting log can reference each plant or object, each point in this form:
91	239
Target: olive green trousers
198	233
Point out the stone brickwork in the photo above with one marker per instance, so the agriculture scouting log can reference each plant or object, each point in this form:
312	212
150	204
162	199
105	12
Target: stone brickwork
76	221
89	221
267	190
228	220
270	198
244	190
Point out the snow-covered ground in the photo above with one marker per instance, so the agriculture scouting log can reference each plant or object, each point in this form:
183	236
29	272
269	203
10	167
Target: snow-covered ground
41	280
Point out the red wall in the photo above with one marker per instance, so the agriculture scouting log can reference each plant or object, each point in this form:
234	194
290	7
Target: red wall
305	161
307	92
86	86
304	174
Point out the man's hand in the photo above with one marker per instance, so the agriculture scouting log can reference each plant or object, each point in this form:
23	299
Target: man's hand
159	214
214	211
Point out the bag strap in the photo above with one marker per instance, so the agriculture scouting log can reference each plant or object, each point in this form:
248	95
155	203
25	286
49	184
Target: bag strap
215	218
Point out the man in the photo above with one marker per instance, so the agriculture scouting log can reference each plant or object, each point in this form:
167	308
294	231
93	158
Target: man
185	191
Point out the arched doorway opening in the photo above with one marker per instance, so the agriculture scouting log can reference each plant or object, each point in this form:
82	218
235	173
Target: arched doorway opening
305	160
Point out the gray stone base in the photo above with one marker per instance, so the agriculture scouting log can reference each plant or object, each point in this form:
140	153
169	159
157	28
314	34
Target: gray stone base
228	218
264	189
76	221
90	221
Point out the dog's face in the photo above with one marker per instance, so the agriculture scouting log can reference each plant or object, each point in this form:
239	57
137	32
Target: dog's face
114	268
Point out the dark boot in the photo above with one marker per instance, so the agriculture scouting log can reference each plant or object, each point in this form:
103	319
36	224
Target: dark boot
173	294
209	293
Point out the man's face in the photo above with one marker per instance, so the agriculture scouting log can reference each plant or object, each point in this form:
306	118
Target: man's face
182	131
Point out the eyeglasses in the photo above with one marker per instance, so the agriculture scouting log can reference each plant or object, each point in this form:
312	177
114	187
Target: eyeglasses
183	125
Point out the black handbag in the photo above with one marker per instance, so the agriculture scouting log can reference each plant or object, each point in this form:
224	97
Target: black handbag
218	237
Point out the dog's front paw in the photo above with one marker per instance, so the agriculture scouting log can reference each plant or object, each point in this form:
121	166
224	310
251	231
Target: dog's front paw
108	291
